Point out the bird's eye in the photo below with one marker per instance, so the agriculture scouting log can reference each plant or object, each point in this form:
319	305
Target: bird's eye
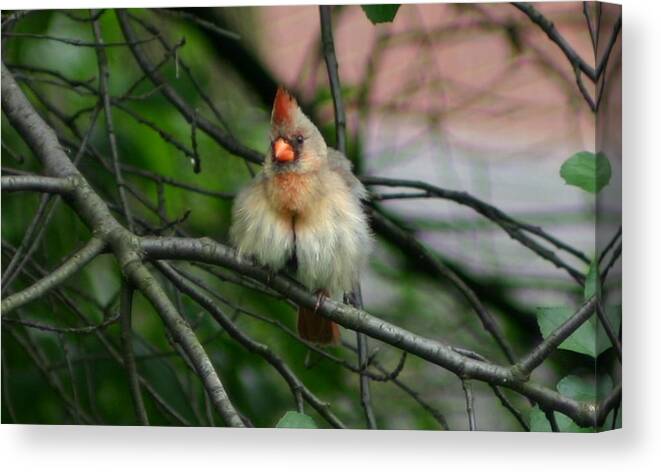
299	139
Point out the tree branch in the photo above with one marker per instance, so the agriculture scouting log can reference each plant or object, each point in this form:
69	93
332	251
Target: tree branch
104	79
226	140
553	340
77	261
96	215
549	28
333	77
511	226
37	183
208	251
470	407
356	299
297	387
125	311
488	321
56	329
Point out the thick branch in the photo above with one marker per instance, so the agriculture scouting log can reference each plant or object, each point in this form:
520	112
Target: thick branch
297	387
207	250
96	215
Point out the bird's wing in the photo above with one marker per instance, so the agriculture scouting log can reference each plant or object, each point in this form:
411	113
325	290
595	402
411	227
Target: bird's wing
341	165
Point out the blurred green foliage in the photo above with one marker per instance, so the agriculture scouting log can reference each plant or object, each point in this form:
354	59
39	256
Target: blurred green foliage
82	365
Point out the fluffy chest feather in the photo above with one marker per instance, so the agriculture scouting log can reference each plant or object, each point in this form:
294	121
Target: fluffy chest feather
319	222
292	193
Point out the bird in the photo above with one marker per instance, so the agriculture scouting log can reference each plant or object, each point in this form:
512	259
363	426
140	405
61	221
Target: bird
305	210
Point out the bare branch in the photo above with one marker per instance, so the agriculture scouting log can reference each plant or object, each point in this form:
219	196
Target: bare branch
553	340
333	77
470	407
549	28
56	329
104	79
603	319
488	321
206	250
95	213
203	23
53	381
125	310
514	228
355	298
297	387
77	261
37	183
223	138
76	42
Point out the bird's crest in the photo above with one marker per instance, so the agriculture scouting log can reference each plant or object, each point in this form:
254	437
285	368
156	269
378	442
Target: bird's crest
284	107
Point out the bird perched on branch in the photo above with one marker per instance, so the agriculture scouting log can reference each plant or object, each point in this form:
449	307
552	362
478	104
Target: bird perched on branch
304	209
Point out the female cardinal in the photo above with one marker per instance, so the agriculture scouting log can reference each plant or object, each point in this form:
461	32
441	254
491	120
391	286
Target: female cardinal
304	208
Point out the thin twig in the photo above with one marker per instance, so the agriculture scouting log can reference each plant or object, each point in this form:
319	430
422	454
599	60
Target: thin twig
77	42
53	381
549	28
203	23
514	228
615	341
185	283
223	138
77	261
553	340
104	79
333	77
470	407
56	329
125	310
72	378
340	137
39	223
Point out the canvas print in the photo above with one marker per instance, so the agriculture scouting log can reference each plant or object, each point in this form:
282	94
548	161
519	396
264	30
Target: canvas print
356	216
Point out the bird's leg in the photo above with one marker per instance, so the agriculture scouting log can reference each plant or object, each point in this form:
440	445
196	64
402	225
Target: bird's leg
269	277
321	295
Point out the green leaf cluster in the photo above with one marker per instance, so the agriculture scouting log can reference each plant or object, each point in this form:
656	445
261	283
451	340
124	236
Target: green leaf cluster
381	13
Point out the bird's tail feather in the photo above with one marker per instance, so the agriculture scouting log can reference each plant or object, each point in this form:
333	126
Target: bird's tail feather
316	328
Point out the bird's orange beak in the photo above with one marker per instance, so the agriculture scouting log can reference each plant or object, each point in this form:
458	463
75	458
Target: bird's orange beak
282	151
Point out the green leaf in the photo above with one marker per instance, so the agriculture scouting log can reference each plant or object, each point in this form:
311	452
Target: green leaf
584	389
380	13
577	388
584	339
588	171
538	421
294	419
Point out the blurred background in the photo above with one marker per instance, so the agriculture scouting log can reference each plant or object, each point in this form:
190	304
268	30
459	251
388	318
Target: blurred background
470	97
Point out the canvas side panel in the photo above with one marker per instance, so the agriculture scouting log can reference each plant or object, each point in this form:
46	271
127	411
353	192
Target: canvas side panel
608	142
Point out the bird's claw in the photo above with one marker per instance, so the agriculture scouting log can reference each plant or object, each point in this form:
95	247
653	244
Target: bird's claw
270	275
321	295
